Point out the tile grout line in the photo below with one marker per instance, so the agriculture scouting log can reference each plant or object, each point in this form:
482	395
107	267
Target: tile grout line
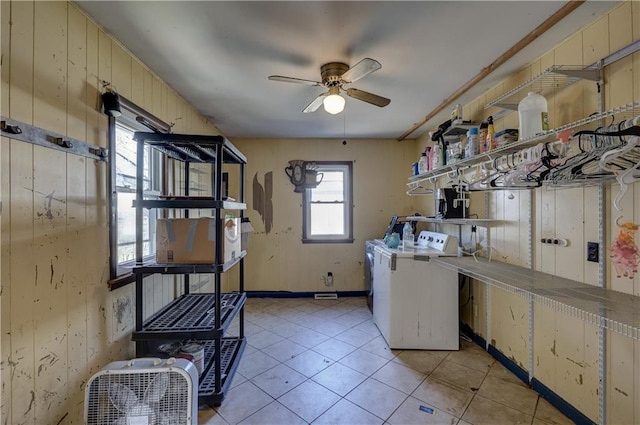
273	312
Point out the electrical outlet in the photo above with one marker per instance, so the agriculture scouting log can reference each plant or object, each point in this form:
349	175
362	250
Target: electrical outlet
593	253
329	281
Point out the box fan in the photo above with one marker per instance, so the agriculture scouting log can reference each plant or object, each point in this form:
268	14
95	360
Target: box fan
146	391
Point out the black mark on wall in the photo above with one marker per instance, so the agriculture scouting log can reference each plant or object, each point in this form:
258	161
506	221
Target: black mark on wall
47	210
122	309
621	392
262	199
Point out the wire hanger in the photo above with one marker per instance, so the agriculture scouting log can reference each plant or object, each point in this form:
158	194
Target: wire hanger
419	190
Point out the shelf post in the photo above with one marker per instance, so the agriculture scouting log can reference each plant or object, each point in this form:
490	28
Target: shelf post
139	212
187	182
217	194
531	297
602	332
241	273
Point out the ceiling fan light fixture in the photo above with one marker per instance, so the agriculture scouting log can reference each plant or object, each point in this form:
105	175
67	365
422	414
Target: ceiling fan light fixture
334	103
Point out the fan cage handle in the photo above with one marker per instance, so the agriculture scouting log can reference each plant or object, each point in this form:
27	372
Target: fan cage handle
156	361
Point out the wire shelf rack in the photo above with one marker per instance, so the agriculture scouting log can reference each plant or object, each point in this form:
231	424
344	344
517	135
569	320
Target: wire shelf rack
550	80
615	311
591	122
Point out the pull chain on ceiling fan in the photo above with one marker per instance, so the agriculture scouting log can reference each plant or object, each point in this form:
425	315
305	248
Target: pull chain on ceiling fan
335	75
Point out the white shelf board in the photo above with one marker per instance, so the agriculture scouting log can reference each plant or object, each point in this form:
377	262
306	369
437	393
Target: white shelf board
616	311
458	221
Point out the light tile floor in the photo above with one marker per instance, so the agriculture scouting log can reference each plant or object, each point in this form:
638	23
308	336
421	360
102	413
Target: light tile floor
325	362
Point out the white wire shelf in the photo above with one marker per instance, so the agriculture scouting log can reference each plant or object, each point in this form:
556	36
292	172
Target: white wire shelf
458	221
549	81
616	311
591	122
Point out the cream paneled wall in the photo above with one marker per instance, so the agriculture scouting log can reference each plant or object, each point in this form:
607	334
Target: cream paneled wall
278	260
565	350
60	323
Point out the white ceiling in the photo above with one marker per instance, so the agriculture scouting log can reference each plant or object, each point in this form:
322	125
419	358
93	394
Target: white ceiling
218	54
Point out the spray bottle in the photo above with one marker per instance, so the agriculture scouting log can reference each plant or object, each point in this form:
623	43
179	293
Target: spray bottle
436	157
491	143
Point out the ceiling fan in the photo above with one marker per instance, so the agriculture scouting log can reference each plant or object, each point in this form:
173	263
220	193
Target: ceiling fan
334	76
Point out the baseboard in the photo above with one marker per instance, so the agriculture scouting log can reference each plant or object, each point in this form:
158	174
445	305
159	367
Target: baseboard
554	399
288	294
571	412
522	374
466	329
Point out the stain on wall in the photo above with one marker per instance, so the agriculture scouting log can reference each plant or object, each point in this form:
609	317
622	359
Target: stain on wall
262	199
123	311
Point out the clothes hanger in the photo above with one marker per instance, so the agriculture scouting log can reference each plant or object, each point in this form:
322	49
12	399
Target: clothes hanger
563	171
624	177
611	139
479	180
419	190
615	160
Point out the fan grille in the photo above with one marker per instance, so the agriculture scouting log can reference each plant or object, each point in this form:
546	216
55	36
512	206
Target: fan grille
141	398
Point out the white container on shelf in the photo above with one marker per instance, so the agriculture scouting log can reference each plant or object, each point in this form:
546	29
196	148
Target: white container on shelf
407	237
532	115
436	157
472	143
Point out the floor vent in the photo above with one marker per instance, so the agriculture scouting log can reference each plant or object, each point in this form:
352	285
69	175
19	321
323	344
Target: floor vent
326	296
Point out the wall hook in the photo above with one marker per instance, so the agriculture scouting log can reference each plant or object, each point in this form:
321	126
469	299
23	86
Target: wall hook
61	142
11	129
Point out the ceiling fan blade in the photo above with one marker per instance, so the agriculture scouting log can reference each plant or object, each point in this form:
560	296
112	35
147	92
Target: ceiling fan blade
371	98
294	80
315	103
365	67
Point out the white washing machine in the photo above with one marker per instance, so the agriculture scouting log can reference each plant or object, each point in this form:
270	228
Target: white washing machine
416	301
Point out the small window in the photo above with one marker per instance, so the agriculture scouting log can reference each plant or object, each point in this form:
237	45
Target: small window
123	150
328	208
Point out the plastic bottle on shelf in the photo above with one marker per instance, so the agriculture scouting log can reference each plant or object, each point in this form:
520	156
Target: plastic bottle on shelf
444	152
429	158
482	137
456	115
532	115
491	142
407	236
472	143
422	163
436	157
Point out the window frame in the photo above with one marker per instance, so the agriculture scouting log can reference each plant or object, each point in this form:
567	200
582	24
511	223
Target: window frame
137	119
347	236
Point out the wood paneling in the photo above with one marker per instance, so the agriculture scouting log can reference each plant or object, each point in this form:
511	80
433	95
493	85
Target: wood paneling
21	350
566	349
60	324
21	62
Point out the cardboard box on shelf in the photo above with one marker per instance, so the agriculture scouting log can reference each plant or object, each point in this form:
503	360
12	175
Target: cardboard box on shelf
192	240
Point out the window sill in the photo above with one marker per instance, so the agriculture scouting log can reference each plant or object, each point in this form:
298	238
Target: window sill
349	240
121	281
